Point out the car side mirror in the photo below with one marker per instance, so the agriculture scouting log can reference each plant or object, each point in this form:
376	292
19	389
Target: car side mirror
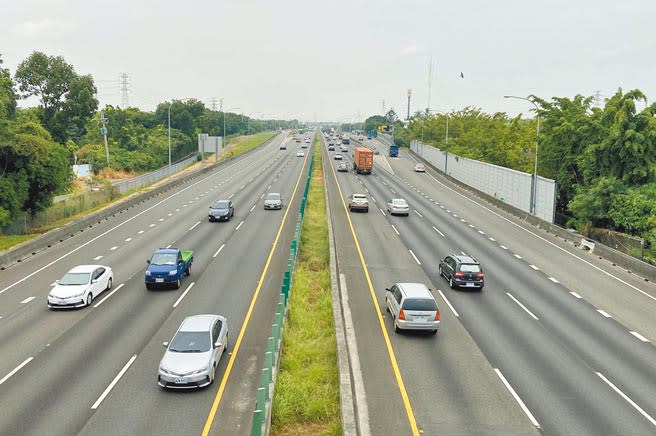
388	289
94	281
57	282
148	261
165	344
218	344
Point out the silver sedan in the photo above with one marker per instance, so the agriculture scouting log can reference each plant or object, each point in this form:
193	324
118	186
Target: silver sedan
398	206
191	358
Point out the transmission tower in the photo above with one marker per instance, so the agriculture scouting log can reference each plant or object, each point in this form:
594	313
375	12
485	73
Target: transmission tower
124	90
213	103
598	99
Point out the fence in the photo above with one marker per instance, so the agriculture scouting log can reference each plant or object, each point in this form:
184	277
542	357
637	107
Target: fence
147	179
505	184
264	397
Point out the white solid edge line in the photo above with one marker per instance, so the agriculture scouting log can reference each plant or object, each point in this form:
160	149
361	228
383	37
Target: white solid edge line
109	295
113	383
575	295
219	250
415	257
627	399
448	303
352	345
239	225
15	370
397	232
639	336
194	226
522	306
547	241
604	313
435	228
191	285
516	397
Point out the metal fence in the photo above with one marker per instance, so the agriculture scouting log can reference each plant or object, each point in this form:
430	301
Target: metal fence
147	179
505	184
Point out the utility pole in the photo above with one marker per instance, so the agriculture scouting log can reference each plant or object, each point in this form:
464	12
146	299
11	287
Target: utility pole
409	95
430	82
103	131
223	145
124	90
384	107
213	104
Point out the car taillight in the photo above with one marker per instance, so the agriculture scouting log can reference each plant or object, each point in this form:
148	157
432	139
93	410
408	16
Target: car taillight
459	274
402	315
480	275
437	314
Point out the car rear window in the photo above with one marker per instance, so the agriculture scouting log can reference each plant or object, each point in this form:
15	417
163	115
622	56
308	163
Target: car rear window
470	267
419	304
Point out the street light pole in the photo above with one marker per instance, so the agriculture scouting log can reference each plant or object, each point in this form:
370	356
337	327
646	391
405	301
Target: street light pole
170	135
534	184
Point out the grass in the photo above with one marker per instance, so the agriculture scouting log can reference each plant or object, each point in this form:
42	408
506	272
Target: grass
306	401
248	143
8	241
11	240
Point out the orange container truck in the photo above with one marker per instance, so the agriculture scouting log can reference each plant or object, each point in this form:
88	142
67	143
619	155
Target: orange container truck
363	160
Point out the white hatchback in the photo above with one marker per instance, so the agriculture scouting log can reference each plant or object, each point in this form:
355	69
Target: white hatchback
80	286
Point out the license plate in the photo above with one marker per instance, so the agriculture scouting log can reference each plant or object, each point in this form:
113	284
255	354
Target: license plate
62	301
181	380
419	319
159	280
469	285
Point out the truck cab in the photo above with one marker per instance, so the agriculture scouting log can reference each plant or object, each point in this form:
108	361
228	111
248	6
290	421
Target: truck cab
167	266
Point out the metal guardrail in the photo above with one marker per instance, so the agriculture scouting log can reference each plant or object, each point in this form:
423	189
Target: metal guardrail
268	374
147	179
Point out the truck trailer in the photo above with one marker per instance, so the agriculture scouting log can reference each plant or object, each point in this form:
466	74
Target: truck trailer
363	160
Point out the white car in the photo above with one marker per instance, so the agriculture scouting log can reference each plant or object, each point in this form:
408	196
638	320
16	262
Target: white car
191	358
300	153
80	286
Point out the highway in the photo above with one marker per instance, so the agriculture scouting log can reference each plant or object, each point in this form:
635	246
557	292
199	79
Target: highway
94	371
568	334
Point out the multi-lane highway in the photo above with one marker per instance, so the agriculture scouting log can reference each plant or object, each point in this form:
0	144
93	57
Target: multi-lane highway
557	342
94	370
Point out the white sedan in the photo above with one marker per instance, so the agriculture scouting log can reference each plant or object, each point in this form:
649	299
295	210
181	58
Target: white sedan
80	286
300	153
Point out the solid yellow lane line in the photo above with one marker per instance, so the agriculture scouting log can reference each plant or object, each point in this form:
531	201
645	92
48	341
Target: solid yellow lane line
235	350
388	343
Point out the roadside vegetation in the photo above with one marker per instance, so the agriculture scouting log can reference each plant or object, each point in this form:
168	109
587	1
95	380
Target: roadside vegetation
40	144
306	401
602	155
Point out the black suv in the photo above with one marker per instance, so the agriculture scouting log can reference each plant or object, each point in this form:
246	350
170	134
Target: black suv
462	271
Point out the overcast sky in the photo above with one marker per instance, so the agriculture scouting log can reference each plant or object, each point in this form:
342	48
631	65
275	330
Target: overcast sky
337	60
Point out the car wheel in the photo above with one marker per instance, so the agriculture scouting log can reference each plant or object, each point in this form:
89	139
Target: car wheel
226	344
433	332
188	271
366	210
451	285
177	284
109	284
148	287
396	328
89	299
441	273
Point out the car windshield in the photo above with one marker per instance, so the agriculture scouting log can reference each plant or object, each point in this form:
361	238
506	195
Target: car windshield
163	259
190	342
75	279
470	267
220	205
419	304
273	197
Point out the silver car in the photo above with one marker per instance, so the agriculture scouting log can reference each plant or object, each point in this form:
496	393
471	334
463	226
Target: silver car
398	206
273	200
193	354
412	307
80	286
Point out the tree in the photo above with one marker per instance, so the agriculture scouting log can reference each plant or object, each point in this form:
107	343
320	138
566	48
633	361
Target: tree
7	96
67	100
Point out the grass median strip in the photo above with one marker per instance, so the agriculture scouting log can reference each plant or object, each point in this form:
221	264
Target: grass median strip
306	401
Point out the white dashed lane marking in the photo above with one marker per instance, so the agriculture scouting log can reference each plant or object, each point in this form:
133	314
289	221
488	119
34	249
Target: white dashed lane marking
27	300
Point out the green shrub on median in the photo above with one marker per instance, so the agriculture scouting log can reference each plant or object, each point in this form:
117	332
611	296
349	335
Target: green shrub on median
306	401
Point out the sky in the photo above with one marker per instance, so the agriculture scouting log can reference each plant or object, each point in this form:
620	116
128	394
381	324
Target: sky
341	60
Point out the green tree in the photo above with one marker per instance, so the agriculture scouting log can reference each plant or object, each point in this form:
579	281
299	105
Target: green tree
67	100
